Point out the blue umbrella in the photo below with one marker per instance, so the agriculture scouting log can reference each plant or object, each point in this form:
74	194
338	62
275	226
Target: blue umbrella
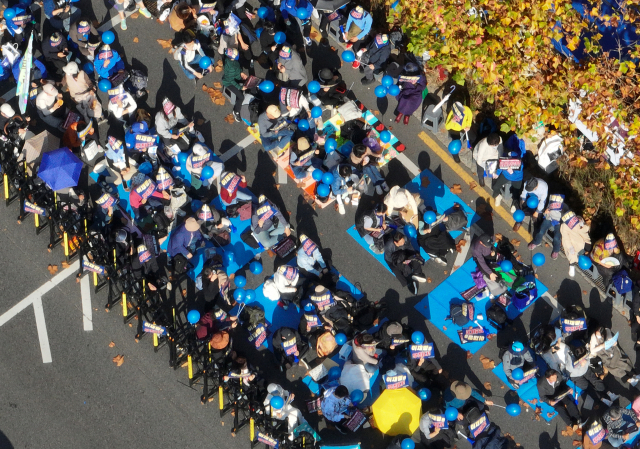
60	169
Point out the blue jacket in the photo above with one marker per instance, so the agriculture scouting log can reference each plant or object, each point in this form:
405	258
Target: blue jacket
364	23
307	262
514	149
13	24
115	64
290	8
180	239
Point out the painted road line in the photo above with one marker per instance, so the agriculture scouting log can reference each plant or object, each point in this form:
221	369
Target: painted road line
466	177
282	175
115	20
408	164
87	314
237	148
557	308
42	330
462	255
9	95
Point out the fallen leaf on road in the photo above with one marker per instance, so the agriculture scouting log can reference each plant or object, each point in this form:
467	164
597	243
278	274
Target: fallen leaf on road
444	328
64	264
217	85
550	415
473	185
112	344
424	182
454	268
515	242
576	443
487	385
502	387
446	272
165	43
229	119
456	189
53	269
136	40
546	245
429	281
135	15
584	292
118	360
469	355
487	363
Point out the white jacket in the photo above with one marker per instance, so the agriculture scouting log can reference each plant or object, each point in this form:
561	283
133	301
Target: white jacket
484	152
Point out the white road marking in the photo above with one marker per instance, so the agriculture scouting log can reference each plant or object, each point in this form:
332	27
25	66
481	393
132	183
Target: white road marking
42	330
460	258
115	20
87	314
282	175
557	308
237	148
9	95
408	164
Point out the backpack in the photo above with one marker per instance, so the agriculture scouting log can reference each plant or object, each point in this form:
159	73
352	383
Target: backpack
254	111
497	316
622	282
254	315
460	312
138	81
457	220
180	264
248	238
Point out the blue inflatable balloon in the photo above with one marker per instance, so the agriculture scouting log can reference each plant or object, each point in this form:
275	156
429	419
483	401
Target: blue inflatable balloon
455	146
385	136
313	86
408	443
240	281
249	295
193	316
348	56
451	413
303	124
514	409
584	262
255	267
518	216
387	80
430	216
196	205
280	37
317	175
266	86
334	373
323	190
230	256
327	178
262	12
394	90
341	338
9	13
302	13
506	265
410	231
182	158
424	394
316	112
238	295
357	396
207	172
145	168
417	338
276	402
538	259
330	145
104	85
532	202
380	91
108	37
88	67
517	374
205	62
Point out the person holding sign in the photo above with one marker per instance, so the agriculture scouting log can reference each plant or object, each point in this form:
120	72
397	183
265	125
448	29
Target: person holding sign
517	356
622	425
579	370
336	405
558	395
552	219
268	224
605	345
434	430
287	347
422	363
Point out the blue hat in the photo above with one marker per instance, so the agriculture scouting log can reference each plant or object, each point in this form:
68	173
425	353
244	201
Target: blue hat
517	346
308	307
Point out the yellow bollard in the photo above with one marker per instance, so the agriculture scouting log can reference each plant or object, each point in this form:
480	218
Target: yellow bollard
95	279
66	245
155	340
114	258
252	429
190	367
36	218
220	397
6	187
124	305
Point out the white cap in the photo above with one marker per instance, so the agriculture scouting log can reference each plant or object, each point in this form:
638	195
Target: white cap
270	291
199	149
71	68
7	110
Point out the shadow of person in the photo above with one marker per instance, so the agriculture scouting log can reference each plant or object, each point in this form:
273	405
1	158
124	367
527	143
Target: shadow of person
323	58
401	425
456	361
4	441
549	442
168	87
485	212
305	223
264	182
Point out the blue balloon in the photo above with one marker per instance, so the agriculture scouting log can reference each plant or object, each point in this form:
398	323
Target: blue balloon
514	409
302	13
9	13
330	145
313	86
430	216
104	85
317	175
230	256
145	168
424	393
249	295
584	262
538	259
266	86
417	338
205	62
341	338
410	230
387	80
196	205
280	37
532	202
408	443
518	216
88	67
455	146
182	158
262	12
316	112
348	56
240	281
451	413
255	267
334	373
380	91
517	374
238	295
506	265
303	124
394	90
323	190
327	178
108	37
207	172
385	136
357	396
276	402
193	316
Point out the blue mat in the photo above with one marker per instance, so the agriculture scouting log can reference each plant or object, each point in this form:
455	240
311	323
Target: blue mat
123	196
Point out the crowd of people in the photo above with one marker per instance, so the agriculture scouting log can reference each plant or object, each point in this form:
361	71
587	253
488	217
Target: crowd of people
155	175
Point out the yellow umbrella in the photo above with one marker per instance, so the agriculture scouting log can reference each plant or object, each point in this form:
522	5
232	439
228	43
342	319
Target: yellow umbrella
397	412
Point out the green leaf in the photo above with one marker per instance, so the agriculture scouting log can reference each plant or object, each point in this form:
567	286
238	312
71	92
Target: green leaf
505	128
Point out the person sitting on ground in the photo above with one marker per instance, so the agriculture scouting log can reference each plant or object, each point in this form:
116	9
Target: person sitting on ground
309	257
230	193
107	62
188	52
267	223
185	239
183	16
274	131
393	338
121	104
486	154
287	347
50	106
575	238
357	29
412	84
622	425
215	289
172	126
539	189
336	406
555	392
144	193
517	356
432	435
613	359
56	53
311	321
484	253
461	396
343	187
233	78
302	159
404	261
424	370
80	34
293	102
82	91
607	257
375	56
333	89
364	352
400	202
284	287
213	225
581	374
290	67
372	227
552	218
365	161
436	241
288	413
60	14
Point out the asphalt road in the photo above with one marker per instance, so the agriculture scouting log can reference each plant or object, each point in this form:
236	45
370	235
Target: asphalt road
82	399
